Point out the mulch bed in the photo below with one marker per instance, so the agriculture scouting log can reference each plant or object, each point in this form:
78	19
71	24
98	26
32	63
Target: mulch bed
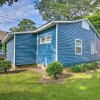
60	79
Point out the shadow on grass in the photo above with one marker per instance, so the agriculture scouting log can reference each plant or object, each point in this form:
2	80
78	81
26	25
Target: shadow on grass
24	95
12	72
86	88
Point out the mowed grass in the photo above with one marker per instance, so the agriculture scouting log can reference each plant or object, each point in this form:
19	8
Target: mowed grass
26	86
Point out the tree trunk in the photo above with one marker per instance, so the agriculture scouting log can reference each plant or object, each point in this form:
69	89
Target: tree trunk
55	77
5	70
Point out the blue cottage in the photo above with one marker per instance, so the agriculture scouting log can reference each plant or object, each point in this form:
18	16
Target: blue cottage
69	42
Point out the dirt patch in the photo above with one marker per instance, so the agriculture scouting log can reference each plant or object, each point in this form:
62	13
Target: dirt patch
60	79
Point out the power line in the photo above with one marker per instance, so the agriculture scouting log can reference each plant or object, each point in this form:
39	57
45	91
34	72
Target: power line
9	18
15	19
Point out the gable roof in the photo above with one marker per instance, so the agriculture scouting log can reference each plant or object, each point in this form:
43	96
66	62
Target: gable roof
45	26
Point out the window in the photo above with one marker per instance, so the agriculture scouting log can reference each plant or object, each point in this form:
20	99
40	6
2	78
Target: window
46	39
78	46
92	47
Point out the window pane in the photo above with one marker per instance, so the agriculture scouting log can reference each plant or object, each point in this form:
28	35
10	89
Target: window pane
43	40
78	49
92	51
48	38
92	47
78	42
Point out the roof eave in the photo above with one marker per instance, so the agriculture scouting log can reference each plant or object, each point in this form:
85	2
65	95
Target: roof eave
45	27
93	27
7	37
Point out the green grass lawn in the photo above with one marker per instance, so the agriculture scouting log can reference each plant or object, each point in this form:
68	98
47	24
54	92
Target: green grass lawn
26	86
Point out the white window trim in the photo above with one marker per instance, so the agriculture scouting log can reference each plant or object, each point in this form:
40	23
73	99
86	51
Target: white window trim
45	39
93	47
77	46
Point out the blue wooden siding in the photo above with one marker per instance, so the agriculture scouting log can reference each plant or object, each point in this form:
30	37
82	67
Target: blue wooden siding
26	48
67	33
10	50
47	51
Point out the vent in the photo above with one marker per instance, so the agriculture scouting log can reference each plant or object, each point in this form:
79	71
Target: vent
85	25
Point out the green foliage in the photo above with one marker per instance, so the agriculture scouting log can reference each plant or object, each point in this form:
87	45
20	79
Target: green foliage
3	47
1	59
24	25
54	69
5	65
9	2
84	67
66	9
95	20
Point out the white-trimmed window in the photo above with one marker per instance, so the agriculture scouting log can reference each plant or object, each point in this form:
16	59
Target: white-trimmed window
78	46
92	47
46	39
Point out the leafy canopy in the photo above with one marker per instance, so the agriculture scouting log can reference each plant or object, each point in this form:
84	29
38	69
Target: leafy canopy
24	25
66	9
9	2
95	20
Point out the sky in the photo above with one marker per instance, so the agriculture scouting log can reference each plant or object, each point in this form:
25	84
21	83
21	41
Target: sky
20	10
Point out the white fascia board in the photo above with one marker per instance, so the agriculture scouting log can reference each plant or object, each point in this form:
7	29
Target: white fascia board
7	37
79	21
92	27
22	32
44	27
47	26
69	21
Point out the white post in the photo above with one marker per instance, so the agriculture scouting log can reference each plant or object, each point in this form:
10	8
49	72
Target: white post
95	44
56	42
14	65
37	50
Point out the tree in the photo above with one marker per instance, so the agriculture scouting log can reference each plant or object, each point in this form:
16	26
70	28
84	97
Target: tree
66	9
9	2
95	20
24	25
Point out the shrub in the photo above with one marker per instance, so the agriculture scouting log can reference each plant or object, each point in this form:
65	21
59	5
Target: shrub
75	68
84	67
54	69
5	65
1	59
